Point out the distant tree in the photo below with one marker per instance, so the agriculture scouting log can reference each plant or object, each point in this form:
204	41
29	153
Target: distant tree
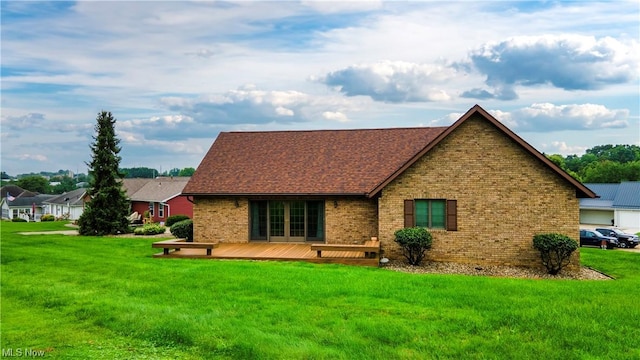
66	184
604	172
617	153
35	183
560	161
572	162
107	211
173	172
139	172
81	177
632	171
557	159
603	164
187	171
3	175
599	150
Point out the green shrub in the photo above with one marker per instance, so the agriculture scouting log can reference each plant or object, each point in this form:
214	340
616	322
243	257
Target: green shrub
174	219
150	229
183	229
47	217
414	242
17	219
555	250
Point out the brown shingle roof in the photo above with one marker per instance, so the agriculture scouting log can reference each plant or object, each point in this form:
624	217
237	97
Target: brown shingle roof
324	162
306	162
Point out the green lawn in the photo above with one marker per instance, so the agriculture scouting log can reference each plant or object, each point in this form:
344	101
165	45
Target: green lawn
106	298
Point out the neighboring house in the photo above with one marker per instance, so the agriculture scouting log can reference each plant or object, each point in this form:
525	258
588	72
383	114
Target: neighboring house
619	203
19	203
69	205
481	190
160	196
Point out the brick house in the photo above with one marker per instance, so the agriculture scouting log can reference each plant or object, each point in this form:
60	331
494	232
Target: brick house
481	190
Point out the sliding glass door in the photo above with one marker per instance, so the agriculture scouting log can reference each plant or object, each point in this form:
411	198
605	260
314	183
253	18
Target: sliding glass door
287	221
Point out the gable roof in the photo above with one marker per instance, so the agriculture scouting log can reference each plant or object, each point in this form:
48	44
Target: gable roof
622	195
131	185
581	190
28	201
328	162
16	191
160	189
73	198
322	162
11	189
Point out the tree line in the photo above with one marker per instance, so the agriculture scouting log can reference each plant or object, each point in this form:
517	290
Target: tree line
602	164
62	182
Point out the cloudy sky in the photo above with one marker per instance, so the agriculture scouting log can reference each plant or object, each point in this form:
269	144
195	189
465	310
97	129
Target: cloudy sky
562	75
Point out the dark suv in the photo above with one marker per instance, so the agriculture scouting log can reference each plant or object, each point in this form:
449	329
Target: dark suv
594	238
624	240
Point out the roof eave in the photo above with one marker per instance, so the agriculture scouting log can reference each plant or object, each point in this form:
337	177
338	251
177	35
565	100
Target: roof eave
222	194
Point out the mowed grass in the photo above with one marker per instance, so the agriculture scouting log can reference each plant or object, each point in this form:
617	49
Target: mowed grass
92	297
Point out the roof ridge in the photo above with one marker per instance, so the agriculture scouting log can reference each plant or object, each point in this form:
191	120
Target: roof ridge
332	130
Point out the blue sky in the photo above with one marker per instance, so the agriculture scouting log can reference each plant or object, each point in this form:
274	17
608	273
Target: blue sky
562	75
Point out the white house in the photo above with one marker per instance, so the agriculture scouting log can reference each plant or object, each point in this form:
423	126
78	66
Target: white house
617	205
24	204
68	205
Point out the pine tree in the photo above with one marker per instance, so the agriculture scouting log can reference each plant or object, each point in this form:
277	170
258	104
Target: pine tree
106	212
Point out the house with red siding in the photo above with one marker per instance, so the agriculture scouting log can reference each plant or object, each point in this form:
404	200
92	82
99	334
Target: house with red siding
481	190
161	196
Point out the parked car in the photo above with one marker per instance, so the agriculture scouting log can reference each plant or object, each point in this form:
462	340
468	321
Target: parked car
594	238
624	240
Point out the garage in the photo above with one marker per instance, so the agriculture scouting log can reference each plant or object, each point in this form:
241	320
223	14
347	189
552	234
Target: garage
629	219
596	217
620	202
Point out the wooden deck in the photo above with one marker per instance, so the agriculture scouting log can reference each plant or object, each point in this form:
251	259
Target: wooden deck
275	251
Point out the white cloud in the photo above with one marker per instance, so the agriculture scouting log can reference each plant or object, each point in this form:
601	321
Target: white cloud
166	69
177	147
546	117
335	116
328	7
249	105
566	61
23	122
26	156
392	81
561	147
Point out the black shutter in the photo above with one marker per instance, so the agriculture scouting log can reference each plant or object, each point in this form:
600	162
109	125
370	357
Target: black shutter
452	215
409	219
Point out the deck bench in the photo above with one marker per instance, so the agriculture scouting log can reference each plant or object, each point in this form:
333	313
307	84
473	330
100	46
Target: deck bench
371	248
181	244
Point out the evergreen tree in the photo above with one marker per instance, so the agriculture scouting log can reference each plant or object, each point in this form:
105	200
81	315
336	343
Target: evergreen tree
107	211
